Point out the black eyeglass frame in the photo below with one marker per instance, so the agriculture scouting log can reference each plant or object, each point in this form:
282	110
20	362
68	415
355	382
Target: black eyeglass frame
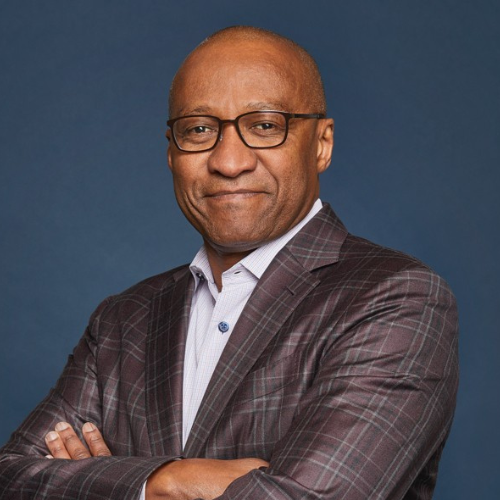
235	121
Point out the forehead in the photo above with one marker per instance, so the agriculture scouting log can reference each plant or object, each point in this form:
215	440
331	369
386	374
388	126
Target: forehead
238	76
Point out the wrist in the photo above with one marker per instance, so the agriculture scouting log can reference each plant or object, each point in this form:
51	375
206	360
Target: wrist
161	484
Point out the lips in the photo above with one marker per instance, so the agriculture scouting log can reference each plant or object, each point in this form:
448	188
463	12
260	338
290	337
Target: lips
243	193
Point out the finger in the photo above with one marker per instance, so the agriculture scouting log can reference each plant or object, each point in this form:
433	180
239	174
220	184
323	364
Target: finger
56	446
74	447
95	441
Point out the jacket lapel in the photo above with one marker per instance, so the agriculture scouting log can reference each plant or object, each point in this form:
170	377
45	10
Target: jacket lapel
286	282
164	363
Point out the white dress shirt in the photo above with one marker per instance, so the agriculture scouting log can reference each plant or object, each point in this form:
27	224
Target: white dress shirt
214	315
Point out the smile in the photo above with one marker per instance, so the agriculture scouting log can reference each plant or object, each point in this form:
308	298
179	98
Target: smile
233	195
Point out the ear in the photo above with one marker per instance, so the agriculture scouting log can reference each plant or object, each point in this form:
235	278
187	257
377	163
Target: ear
325	144
168	135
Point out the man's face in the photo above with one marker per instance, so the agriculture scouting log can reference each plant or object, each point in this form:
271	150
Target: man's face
239	198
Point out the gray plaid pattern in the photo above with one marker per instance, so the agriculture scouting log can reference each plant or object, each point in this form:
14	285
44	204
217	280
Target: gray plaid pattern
341	371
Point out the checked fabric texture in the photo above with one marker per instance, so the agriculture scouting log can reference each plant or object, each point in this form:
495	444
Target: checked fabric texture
341	372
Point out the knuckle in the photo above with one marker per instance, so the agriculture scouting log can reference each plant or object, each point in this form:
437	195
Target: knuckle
103	453
70	438
97	445
80	454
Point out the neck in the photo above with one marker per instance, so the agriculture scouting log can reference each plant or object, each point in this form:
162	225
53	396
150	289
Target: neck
222	261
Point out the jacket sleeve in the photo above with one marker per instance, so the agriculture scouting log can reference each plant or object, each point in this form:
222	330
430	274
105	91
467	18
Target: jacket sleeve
25	473
374	421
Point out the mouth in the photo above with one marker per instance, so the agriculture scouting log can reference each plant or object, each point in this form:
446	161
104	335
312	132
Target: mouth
236	194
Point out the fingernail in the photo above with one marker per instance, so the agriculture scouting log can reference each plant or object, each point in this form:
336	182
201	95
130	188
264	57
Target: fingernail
89	427
61	426
51	436
49	457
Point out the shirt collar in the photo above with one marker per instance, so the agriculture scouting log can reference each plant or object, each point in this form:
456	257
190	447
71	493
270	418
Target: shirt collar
257	261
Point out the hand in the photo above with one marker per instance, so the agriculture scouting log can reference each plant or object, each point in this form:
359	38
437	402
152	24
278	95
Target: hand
197	478
179	480
64	443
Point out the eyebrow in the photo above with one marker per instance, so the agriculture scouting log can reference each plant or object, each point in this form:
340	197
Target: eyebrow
252	106
200	110
262	106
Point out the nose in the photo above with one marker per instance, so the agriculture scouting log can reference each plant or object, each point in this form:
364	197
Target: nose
231	157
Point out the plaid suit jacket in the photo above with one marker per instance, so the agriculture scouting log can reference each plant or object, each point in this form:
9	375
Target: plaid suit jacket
342	372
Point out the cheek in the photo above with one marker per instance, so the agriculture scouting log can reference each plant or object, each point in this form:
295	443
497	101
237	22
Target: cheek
183	186
292	174
298	185
183	175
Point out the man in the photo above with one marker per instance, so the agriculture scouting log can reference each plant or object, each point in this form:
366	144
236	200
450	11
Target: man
291	360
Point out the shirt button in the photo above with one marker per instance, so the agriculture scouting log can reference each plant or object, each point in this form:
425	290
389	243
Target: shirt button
223	326
200	276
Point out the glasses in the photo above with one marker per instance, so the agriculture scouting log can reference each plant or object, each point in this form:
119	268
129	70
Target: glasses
257	129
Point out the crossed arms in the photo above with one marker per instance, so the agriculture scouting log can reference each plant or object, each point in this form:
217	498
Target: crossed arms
176	480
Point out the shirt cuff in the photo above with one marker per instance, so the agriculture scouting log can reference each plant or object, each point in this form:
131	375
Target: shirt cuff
143	492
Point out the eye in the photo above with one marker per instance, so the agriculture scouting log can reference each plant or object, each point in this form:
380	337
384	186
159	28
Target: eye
199	129
196	129
264	126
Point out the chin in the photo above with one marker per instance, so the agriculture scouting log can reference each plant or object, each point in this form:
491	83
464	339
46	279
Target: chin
234	245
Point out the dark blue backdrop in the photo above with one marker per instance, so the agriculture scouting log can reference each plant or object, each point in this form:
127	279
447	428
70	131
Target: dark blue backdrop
86	203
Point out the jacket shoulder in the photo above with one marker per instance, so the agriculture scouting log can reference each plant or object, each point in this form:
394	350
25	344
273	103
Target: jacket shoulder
362	252
369	267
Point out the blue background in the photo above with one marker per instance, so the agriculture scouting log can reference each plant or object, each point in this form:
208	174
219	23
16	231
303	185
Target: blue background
86	202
